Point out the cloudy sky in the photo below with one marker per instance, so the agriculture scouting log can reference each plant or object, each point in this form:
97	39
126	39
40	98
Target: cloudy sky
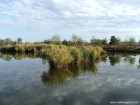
37	20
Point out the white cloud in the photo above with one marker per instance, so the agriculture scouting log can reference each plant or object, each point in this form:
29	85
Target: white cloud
52	14
56	10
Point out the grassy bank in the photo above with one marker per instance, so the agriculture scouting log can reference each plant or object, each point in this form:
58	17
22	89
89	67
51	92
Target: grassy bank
59	55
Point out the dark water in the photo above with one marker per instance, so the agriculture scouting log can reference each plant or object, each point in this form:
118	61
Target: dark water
27	80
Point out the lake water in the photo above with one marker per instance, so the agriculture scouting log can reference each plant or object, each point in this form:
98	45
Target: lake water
112	80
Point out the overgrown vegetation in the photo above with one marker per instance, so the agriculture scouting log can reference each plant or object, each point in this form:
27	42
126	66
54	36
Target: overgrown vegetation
62	53
58	55
75	40
61	56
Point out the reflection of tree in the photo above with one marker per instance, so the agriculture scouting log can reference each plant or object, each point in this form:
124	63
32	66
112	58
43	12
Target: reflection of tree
139	63
129	59
104	59
6	57
114	59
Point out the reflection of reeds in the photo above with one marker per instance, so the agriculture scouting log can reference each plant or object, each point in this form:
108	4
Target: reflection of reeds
56	77
83	67
20	56
17	56
59	76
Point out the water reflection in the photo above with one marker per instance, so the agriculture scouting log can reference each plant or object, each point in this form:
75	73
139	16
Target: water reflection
56	77
114	58
139	64
60	76
22	81
117	58
6	57
104	58
17	56
129	59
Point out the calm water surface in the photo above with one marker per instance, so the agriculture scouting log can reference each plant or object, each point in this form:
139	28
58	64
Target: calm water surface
29	81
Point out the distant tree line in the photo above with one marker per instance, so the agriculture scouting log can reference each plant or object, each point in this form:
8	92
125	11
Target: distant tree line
75	40
8	41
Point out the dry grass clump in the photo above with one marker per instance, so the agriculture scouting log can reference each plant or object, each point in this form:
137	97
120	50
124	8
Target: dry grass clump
58	56
91	53
76	54
29	48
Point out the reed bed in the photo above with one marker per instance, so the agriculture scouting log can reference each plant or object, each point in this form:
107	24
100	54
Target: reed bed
30	48
59	55
76	54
